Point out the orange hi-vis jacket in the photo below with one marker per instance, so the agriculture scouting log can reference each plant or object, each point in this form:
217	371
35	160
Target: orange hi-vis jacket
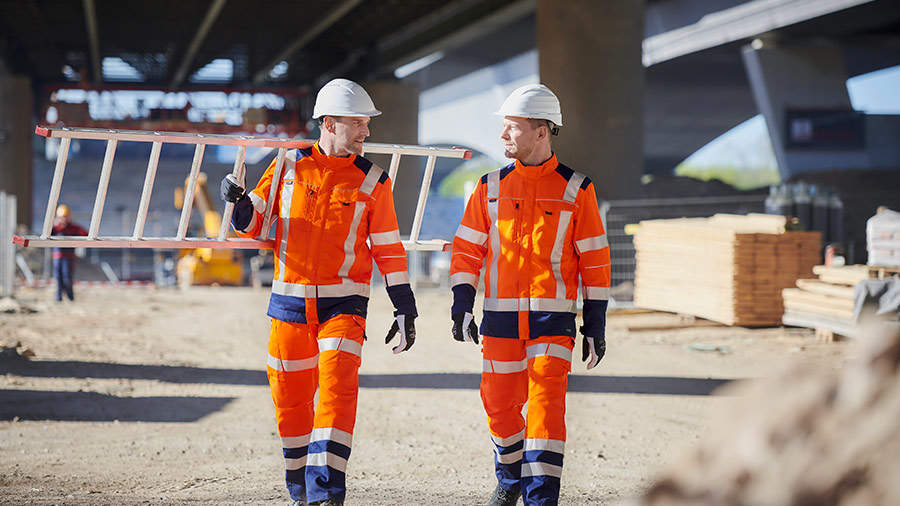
537	229
327	212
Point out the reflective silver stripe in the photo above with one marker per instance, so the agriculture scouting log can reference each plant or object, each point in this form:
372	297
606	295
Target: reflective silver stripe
592	243
573	186
540	469
556	253
471	235
340	344
551	445
385	238
368	184
295	441
461	278
287	196
504	366
493	192
331	434
596	292
294	464
509	458
549	350
526	304
508	440
350	242
337	290
396	278
259	203
292	365
291	155
327	459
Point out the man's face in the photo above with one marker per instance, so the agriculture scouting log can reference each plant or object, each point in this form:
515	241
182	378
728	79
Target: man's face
519	137
349	133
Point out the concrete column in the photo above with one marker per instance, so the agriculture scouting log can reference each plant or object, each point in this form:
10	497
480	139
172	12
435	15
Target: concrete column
398	124
805	79
16	133
589	54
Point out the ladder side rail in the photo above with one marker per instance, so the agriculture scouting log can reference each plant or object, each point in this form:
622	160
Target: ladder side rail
189	192
145	243
149	179
102	188
238	140
62	154
238	173
273	190
423	198
395	165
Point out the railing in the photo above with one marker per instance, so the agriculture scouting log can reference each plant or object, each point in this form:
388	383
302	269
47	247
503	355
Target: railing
200	141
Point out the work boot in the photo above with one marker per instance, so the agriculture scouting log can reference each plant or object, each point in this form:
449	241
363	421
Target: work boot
503	497
298	502
330	502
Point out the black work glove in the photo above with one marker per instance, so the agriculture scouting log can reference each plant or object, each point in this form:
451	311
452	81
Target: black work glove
593	347
231	190
464	328
404	325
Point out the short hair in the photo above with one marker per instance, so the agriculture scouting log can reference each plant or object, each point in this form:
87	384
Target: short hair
551	127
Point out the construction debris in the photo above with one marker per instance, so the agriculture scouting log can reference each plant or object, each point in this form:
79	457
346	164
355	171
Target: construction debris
805	436
727	268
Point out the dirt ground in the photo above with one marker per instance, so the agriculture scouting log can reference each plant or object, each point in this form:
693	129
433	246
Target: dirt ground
142	396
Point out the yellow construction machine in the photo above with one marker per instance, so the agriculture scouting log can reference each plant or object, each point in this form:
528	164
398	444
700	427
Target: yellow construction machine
206	266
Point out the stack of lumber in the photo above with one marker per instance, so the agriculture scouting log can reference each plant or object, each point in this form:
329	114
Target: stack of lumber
727	268
826	303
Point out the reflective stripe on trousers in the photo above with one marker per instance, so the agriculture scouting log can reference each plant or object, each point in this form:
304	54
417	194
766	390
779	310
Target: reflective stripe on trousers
316	440
528	453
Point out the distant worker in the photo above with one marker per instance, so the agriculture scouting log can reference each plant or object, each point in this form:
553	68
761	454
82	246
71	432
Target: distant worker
64	258
330	202
536	226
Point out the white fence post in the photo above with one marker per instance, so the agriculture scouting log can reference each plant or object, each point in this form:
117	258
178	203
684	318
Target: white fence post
7	248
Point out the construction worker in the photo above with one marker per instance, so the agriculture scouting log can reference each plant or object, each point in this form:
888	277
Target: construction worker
329	203
536	226
64	258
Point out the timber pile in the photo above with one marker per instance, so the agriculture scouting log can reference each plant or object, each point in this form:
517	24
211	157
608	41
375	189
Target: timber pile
727	268
826	303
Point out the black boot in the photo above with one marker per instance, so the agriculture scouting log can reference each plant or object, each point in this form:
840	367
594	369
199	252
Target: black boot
503	497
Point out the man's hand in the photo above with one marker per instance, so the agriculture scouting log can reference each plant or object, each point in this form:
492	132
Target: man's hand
593	347
231	189
464	328
404	325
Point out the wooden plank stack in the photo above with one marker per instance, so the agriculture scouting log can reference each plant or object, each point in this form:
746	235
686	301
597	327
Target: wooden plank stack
826	303
727	268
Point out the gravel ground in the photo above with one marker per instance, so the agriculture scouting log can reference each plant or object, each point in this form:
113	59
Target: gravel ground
142	396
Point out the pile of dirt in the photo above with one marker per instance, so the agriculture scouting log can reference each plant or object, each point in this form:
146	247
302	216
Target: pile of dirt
802	437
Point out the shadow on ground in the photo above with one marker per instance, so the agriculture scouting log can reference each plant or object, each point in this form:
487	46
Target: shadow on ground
652	385
96	407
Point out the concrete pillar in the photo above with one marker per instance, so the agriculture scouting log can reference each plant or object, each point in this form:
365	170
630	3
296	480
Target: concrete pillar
589	54
398	124
16	133
812	79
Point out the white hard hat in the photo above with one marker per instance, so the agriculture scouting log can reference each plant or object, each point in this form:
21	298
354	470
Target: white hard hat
534	101
342	97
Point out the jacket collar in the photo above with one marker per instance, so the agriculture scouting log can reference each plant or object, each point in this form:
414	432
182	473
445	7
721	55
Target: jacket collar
538	170
326	161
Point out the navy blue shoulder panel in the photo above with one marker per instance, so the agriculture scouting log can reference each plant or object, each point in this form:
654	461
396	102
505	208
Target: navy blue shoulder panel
506	170
362	164
383	178
484	179
585	183
304	152
565	172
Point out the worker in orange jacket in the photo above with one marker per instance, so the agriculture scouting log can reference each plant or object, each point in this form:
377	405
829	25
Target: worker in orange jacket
329	203
536	226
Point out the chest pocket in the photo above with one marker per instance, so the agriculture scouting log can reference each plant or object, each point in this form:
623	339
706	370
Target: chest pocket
345	209
552	222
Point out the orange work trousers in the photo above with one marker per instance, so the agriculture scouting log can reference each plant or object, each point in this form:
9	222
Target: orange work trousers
528	453
316	440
